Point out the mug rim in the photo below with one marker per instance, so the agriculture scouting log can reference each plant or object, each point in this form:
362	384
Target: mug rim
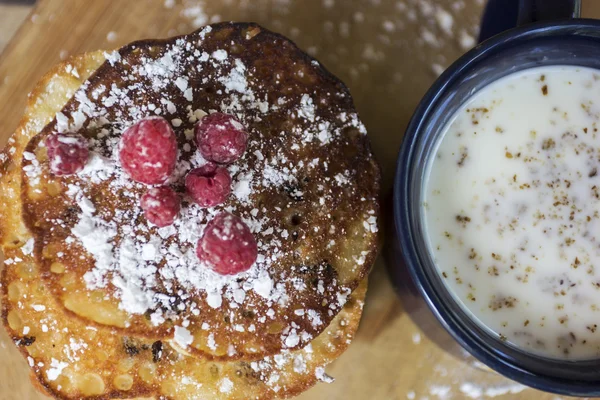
403	228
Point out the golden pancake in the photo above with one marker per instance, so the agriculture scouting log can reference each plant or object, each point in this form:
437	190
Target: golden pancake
307	186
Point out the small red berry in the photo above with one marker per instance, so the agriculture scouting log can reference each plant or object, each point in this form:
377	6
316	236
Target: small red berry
148	150
227	245
67	153
208	185
161	205
221	138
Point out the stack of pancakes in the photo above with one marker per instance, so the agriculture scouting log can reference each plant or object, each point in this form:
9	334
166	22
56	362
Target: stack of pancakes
122	308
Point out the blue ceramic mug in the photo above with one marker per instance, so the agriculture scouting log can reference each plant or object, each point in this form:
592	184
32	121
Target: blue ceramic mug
548	33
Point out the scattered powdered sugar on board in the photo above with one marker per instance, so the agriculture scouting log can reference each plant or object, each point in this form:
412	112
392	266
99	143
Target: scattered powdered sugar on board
416	338
322	376
111	36
193	12
475	391
442	392
437	69
439	28
439	25
467	380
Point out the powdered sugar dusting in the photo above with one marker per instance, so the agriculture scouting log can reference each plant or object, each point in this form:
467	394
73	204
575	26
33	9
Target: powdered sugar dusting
96	236
445	382
183	337
474	391
56	369
226	385
156	272
322	376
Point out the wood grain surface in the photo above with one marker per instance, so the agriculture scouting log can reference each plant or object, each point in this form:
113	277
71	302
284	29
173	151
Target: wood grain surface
388	52
11	17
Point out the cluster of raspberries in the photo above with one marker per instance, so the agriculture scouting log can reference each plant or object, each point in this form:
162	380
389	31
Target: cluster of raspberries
148	154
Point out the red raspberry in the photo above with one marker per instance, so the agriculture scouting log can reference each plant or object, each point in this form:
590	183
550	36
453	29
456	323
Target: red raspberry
208	185
148	150
161	205
67	153
221	138
227	246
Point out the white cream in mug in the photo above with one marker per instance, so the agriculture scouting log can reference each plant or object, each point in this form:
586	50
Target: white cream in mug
512	210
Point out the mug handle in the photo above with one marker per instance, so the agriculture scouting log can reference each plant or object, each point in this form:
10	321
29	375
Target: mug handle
501	15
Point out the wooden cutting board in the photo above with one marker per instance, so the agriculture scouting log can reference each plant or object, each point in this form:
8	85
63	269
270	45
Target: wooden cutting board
388	52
